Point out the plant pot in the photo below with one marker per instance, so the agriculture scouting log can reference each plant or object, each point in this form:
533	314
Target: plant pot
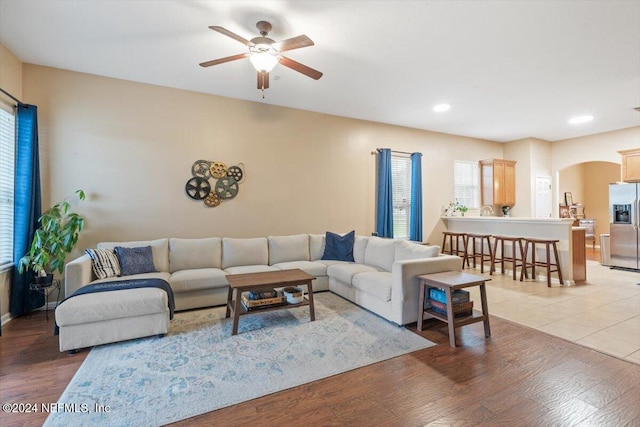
45	280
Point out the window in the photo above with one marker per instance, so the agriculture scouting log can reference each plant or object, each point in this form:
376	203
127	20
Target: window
401	182
466	181
7	165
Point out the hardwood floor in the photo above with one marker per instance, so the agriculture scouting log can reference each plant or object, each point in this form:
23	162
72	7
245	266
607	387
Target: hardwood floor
593	254
518	377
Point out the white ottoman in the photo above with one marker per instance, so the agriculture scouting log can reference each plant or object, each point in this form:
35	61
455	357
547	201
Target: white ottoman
106	317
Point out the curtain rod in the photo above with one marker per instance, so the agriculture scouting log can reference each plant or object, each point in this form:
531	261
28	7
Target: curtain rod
11	96
393	151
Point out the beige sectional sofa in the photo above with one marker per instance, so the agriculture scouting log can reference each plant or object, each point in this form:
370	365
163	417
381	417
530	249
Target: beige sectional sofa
382	279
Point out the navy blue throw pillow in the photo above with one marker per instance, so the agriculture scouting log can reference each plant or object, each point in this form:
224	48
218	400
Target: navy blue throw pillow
135	260
339	248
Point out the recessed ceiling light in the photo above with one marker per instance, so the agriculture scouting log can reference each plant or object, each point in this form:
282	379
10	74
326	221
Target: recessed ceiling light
580	119
441	107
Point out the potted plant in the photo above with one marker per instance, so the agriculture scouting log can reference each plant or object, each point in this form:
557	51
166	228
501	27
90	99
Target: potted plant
462	208
52	242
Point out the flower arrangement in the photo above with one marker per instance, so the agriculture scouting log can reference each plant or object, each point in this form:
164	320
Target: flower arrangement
454	207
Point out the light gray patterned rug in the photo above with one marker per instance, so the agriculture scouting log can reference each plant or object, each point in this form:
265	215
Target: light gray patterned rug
199	367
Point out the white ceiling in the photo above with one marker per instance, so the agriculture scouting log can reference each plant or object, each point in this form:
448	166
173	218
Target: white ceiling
510	69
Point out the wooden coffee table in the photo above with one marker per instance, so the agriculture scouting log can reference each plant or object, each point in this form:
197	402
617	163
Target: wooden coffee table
266	280
450	281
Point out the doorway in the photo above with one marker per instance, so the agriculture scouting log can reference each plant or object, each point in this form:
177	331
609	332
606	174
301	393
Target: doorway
543	197
589	185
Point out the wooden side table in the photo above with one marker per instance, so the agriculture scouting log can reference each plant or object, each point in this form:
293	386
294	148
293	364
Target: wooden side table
451	281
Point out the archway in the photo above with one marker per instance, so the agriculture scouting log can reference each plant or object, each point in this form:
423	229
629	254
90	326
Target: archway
588	184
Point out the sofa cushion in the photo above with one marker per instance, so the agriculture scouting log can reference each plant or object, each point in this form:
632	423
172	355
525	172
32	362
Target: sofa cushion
156	275
329	262
339	247
159	248
359	247
380	252
104	263
345	272
100	306
198	278
237	252
377	284
288	248
137	260
407	250
314	268
186	254
242	269
316	246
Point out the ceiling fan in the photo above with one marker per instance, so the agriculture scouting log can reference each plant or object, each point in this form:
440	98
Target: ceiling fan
264	53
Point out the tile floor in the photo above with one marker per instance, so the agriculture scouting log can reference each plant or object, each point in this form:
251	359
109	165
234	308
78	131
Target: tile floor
602	313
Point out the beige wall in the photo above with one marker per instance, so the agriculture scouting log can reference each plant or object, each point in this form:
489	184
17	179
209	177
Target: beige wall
537	157
130	146
11	81
602	147
520	151
598	176
572	181
533	157
10	75
598	163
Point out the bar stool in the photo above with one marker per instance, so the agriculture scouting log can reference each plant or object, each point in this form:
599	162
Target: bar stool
471	237
530	242
456	249
513	259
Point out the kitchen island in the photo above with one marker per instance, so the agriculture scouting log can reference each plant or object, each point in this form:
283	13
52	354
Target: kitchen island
560	229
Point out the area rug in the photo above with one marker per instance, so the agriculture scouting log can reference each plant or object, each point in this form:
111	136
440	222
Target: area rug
199	367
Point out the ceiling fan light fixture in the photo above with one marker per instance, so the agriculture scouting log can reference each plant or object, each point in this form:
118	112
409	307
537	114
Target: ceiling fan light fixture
263	57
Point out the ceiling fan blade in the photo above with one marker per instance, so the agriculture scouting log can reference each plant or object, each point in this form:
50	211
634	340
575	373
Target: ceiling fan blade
263	80
234	36
223	60
293	43
301	68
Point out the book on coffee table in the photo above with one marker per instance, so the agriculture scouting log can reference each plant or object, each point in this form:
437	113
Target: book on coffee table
250	304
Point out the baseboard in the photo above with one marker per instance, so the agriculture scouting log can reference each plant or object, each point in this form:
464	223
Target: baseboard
542	277
6	318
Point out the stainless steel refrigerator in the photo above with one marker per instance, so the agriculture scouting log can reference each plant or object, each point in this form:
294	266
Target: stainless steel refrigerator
624	202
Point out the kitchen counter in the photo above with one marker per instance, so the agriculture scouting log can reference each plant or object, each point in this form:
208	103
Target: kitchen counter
510	219
560	229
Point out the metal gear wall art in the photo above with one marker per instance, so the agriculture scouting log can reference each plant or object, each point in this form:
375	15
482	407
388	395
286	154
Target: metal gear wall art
225	185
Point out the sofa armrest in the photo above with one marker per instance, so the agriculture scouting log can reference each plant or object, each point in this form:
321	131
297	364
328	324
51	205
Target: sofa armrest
77	273
405	286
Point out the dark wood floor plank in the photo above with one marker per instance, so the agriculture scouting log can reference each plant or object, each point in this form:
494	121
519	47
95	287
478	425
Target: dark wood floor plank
570	412
526	413
517	377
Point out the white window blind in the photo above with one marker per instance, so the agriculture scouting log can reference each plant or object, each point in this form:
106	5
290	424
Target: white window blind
401	182
7	166
466	178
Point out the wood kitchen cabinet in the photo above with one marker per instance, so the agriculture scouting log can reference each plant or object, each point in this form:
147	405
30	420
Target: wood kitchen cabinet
630	165
498	182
